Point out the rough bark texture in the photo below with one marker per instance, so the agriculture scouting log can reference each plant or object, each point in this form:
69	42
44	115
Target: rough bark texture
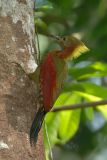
17	92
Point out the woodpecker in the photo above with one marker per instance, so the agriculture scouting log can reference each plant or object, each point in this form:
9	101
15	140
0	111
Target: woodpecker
50	76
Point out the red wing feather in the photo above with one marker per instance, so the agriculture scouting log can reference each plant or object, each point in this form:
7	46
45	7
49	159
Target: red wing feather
48	81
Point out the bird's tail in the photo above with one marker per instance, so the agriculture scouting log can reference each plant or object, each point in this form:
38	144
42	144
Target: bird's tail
36	125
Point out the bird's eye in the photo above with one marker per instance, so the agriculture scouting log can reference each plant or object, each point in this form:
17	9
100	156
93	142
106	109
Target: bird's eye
64	38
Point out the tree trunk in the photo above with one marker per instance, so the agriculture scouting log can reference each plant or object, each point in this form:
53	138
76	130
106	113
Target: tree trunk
17	92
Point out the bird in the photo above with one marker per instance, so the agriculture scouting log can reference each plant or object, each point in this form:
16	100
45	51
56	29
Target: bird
50	77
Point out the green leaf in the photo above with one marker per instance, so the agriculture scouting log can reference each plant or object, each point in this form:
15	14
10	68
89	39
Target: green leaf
69	120
51	125
52	121
89	88
89	112
69	124
101	108
64	99
43	5
92	70
91	92
40	23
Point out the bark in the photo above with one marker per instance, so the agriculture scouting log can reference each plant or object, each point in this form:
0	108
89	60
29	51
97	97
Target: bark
17	92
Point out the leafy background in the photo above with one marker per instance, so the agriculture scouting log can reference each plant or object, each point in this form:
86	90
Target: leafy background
77	134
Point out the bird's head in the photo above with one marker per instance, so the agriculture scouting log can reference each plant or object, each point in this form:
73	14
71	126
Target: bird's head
74	43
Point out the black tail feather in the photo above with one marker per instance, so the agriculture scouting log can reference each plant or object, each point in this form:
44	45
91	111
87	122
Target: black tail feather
36	125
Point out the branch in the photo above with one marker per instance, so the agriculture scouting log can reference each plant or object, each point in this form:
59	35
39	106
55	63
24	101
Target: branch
81	105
